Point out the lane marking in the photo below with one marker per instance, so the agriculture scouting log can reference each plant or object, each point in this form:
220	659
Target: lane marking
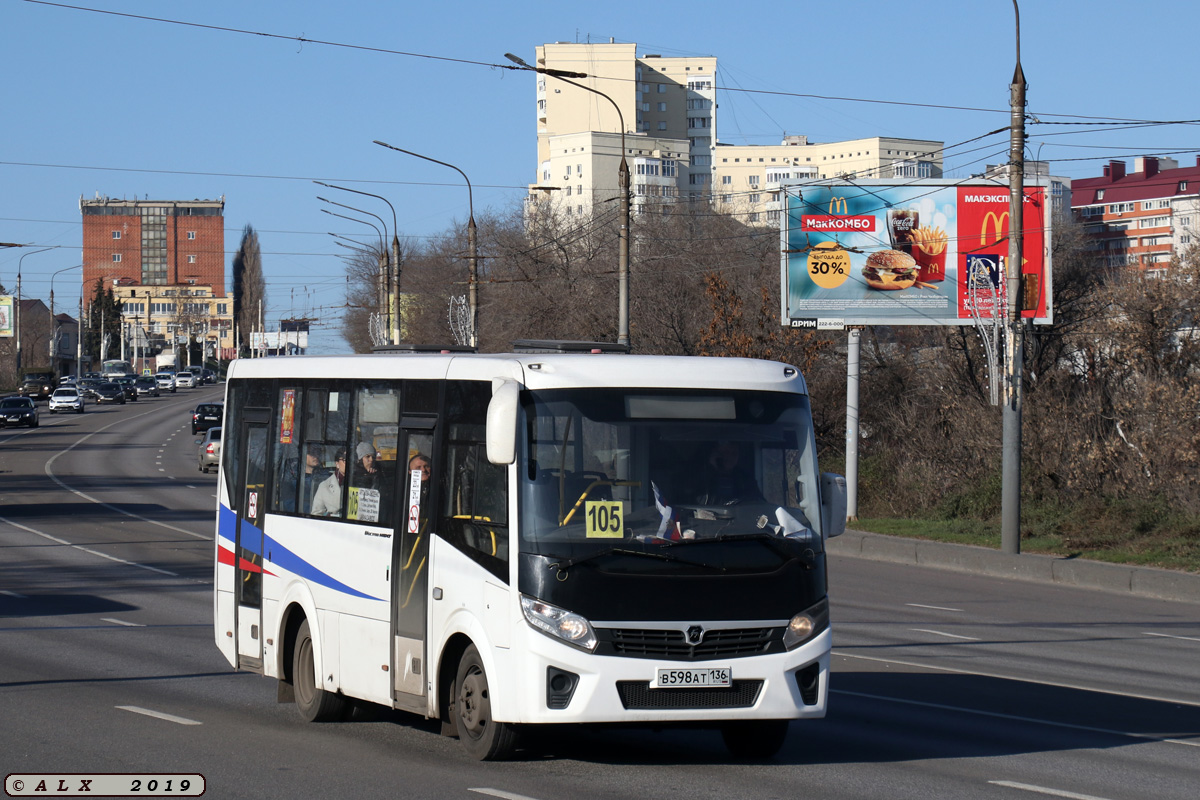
1044	790
14	594
935	608
90	499
1016	718
1169	636
80	547
122	622
503	794
949	635
160	715
1035	681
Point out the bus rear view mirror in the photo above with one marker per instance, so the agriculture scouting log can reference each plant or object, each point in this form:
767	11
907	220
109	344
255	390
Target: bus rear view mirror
833	504
502	423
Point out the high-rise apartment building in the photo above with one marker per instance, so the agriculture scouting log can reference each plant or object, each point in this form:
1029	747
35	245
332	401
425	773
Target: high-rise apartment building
1143	218
165	260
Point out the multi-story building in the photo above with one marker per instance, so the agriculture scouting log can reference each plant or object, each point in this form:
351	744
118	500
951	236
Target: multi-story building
166	262
664	107
1143	218
746	178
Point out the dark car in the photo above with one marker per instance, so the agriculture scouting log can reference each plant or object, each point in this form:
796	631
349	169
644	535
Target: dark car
146	386
109	393
18	411
207	415
87	387
129	386
37	388
208	376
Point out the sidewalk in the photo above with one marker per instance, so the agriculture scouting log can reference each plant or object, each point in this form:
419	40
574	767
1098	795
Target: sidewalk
1160	584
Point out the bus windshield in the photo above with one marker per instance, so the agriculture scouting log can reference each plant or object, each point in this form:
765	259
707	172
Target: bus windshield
641	471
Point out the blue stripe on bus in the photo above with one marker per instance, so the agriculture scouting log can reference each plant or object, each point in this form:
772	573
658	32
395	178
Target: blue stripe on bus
281	556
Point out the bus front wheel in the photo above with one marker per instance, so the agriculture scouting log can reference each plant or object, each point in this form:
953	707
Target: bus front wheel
315	704
754	739
483	737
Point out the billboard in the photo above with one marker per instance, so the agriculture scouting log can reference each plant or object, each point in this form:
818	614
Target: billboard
6	315
928	252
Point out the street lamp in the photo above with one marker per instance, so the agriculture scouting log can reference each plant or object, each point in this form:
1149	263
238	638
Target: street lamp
381	280
394	272
54	321
623	235
472	247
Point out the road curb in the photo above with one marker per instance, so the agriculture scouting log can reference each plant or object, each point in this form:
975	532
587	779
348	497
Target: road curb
1159	584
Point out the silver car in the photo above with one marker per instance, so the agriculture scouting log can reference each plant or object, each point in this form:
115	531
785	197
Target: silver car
209	454
66	398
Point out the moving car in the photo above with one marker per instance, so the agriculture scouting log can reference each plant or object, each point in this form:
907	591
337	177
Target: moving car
208	376
185	380
165	380
66	398
18	411
39	388
109	393
209	454
207	415
87	387
146	386
128	385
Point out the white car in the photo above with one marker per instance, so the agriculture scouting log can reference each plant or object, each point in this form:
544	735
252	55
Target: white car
165	380
67	398
185	380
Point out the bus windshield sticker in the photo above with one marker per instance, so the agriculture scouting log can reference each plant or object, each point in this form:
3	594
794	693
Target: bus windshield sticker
414	501
364	505
604	519
289	416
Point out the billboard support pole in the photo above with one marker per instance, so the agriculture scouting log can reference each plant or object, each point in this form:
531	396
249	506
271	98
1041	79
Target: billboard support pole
1010	491
852	373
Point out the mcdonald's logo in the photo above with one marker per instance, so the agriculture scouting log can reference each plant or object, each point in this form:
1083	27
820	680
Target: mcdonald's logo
1000	221
837	205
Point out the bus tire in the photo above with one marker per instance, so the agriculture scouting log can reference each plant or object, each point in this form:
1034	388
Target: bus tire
483	738
315	704
754	739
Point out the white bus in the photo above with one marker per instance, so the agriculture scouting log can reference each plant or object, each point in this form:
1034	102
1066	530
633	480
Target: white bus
503	541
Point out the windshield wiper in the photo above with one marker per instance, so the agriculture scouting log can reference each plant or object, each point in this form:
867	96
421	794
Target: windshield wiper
566	563
771	541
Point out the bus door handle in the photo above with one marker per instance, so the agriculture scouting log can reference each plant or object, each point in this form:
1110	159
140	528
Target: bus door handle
437	593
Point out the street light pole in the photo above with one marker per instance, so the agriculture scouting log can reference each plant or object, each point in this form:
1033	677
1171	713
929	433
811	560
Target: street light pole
393	278
472	246
623	178
381	293
1010	492
54	322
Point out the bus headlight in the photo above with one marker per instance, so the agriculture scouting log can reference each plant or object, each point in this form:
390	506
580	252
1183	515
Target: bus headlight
806	624
559	623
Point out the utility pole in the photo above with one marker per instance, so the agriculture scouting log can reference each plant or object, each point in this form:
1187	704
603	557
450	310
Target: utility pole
1010	492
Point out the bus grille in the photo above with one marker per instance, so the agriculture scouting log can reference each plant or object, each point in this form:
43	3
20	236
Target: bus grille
731	643
639	695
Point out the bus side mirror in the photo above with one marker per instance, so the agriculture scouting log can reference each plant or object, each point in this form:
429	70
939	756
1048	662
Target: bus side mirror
502	423
833	504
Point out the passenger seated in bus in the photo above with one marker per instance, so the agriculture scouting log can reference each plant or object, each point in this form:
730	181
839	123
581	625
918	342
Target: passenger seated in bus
724	482
306	482
327	502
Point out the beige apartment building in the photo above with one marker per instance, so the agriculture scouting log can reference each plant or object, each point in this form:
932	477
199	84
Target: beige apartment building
746	178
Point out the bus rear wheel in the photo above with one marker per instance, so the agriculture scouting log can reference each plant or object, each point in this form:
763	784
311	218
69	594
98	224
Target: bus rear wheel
315	704
754	739
483	738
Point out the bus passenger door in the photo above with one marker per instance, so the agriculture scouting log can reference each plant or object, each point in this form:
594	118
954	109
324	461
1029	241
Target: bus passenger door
251	484
412	570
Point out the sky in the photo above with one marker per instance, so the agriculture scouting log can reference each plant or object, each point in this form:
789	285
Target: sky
134	107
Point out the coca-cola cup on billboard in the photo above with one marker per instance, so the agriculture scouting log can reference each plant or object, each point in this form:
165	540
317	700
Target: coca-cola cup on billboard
929	251
901	223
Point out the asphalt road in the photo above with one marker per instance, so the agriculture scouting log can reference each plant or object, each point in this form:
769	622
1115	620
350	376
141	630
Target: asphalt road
945	684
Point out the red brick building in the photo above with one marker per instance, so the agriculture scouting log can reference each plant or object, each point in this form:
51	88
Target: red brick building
1142	218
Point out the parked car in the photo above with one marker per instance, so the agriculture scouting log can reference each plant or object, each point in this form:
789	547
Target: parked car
109	393
66	398
165	380
209	454
207	415
129	386
185	380
18	411
87	387
37	388
146	386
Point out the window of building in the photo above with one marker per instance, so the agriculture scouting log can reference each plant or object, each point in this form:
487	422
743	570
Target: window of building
662	106
191	260
191	234
568	191
754	217
725	198
116	234
1099	194
568	170
645	106
579	170
726	180
1183	186
662	88
754	197
752	179
668	168
116	258
662	125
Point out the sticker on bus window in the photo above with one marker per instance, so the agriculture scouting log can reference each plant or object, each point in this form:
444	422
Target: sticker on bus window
363	505
604	519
